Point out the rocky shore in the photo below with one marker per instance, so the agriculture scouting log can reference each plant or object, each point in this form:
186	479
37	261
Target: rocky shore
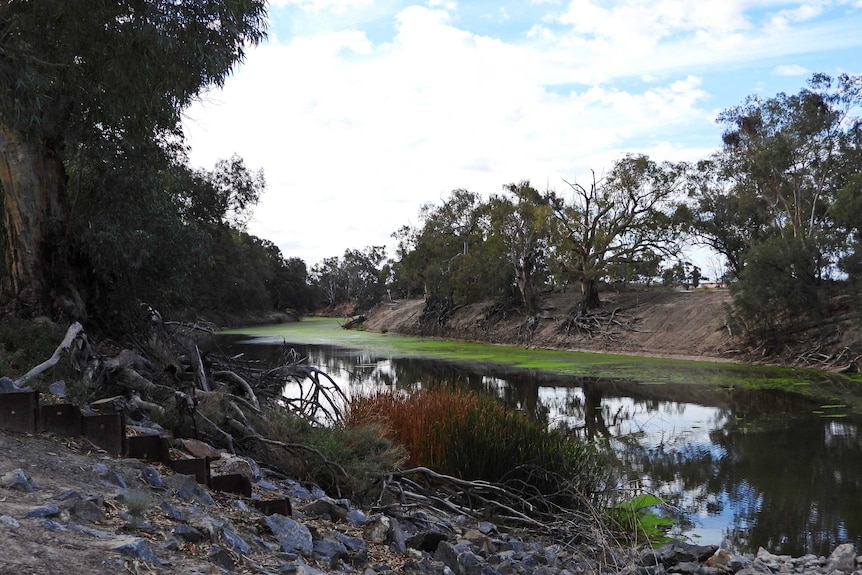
66	506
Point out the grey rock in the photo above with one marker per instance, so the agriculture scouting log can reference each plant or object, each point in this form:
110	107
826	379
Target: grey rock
356	518
137	548
230	539
395	536
221	557
98	534
48	510
447	554
188	533
843	558
330	551
17	480
7	384
426	541
58	388
88	510
52	525
152	477
292	536
173	512
326	507
10	521
296	490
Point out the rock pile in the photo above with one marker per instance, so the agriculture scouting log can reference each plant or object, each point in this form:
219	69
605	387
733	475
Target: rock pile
137	514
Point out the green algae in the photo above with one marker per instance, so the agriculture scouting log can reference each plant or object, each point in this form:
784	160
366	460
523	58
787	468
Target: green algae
826	388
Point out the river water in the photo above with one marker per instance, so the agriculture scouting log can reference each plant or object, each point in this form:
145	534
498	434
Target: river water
741	469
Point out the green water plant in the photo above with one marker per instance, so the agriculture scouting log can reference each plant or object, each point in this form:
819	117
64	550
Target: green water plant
638	518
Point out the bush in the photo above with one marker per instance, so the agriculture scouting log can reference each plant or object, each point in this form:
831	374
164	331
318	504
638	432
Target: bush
474	436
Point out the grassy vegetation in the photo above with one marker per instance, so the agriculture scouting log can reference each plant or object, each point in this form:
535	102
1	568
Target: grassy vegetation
473	436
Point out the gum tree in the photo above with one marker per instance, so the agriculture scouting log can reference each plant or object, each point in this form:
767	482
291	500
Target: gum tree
87	75
625	217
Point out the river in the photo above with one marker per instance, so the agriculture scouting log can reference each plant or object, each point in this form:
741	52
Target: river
741	469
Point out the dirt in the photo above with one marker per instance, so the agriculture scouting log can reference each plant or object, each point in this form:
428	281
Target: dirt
691	324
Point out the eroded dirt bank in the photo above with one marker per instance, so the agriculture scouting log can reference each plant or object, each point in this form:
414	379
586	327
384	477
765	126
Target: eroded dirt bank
691	324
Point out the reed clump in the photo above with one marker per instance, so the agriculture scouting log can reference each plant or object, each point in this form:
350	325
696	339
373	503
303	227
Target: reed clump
474	436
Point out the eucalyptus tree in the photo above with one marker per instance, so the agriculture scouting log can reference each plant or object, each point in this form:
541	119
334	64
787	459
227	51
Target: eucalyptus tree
625	217
521	219
84	75
783	202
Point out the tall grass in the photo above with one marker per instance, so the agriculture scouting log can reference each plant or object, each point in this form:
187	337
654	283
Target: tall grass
474	436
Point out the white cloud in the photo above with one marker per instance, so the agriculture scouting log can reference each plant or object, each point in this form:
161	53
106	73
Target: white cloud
355	133
790	70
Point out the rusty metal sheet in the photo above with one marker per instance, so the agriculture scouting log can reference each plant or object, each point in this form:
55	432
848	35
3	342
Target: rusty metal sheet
107	431
62	419
232	482
148	448
280	506
200	468
19	411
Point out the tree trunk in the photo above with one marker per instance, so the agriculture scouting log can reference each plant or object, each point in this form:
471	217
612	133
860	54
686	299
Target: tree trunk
590	294
32	182
524	280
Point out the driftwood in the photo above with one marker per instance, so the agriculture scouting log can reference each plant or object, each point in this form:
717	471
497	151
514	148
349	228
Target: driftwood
75	330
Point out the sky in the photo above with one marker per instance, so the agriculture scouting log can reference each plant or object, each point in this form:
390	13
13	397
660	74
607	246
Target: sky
361	111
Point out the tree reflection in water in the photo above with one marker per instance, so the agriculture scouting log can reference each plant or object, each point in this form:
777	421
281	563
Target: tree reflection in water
746	468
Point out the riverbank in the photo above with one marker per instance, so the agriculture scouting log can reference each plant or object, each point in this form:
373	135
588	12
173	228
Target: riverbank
65	505
692	324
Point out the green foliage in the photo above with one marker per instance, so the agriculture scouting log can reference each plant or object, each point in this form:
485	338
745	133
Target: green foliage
780	200
626	217
358	277
637	519
340	459
474	436
25	344
779	287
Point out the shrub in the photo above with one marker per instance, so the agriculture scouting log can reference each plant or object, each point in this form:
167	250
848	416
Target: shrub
474	436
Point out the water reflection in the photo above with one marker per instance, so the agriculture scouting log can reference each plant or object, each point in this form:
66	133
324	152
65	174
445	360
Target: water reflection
744	468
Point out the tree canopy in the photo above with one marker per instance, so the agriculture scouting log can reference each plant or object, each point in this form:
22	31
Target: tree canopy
95	87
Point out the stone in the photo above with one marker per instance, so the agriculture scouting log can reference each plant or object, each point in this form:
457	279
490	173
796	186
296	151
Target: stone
843	558
296	490
134	547
221	557
188	533
329	550
199	449
326	507
88	510
426	541
173	512
292	536
49	510
9	521
58	388
7	384
17	480
376	529
395	537
152	477
230	539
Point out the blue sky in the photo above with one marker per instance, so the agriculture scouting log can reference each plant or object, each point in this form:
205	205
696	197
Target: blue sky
360	111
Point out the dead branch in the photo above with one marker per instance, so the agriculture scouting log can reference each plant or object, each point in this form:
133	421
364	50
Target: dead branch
236	379
200	372
72	333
